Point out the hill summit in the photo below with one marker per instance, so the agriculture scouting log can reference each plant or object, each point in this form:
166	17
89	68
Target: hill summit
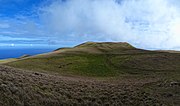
98	48
107	44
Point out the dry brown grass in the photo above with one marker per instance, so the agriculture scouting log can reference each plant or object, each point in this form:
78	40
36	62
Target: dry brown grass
19	88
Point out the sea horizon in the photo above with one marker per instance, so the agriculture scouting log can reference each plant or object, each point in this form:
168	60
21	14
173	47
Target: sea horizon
6	53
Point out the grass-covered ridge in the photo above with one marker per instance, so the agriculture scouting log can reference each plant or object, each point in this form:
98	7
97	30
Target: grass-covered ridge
101	60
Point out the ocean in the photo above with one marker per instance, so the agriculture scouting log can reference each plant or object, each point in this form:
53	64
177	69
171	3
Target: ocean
6	53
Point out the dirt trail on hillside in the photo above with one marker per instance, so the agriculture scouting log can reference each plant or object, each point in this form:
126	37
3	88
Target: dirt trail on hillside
26	88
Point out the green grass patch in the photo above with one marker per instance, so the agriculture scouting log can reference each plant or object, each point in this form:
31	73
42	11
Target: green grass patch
87	65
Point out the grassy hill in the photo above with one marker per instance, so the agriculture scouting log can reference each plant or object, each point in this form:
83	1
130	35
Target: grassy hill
92	73
101	60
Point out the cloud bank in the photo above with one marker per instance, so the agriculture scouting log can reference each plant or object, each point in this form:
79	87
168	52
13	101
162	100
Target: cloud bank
148	24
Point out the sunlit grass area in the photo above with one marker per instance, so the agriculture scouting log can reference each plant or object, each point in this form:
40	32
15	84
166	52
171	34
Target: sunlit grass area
3	61
101	60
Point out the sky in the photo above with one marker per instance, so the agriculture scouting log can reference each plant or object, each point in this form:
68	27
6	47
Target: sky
146	24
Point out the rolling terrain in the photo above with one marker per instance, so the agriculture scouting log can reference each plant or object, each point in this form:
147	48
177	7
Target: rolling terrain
92	73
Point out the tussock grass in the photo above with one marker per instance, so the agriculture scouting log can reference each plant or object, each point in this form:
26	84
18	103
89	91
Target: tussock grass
19	88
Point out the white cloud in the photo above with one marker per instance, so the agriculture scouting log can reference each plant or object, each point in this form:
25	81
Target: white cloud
144	23
12	44
21	27
8	38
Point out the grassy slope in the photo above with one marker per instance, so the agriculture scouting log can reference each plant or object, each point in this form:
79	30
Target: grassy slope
25	88
103	60
87	59
142	77
4	61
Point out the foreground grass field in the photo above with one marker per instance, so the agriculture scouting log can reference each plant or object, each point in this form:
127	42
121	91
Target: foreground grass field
93	74
26	88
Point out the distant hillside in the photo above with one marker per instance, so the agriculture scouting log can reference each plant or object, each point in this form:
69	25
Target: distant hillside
98	48
101	59
122	45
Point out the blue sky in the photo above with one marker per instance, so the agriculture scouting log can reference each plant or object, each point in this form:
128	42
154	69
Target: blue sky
11	8
20	25
147	24
14	14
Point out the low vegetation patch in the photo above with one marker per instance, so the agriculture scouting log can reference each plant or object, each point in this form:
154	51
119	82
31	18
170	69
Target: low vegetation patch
19	88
